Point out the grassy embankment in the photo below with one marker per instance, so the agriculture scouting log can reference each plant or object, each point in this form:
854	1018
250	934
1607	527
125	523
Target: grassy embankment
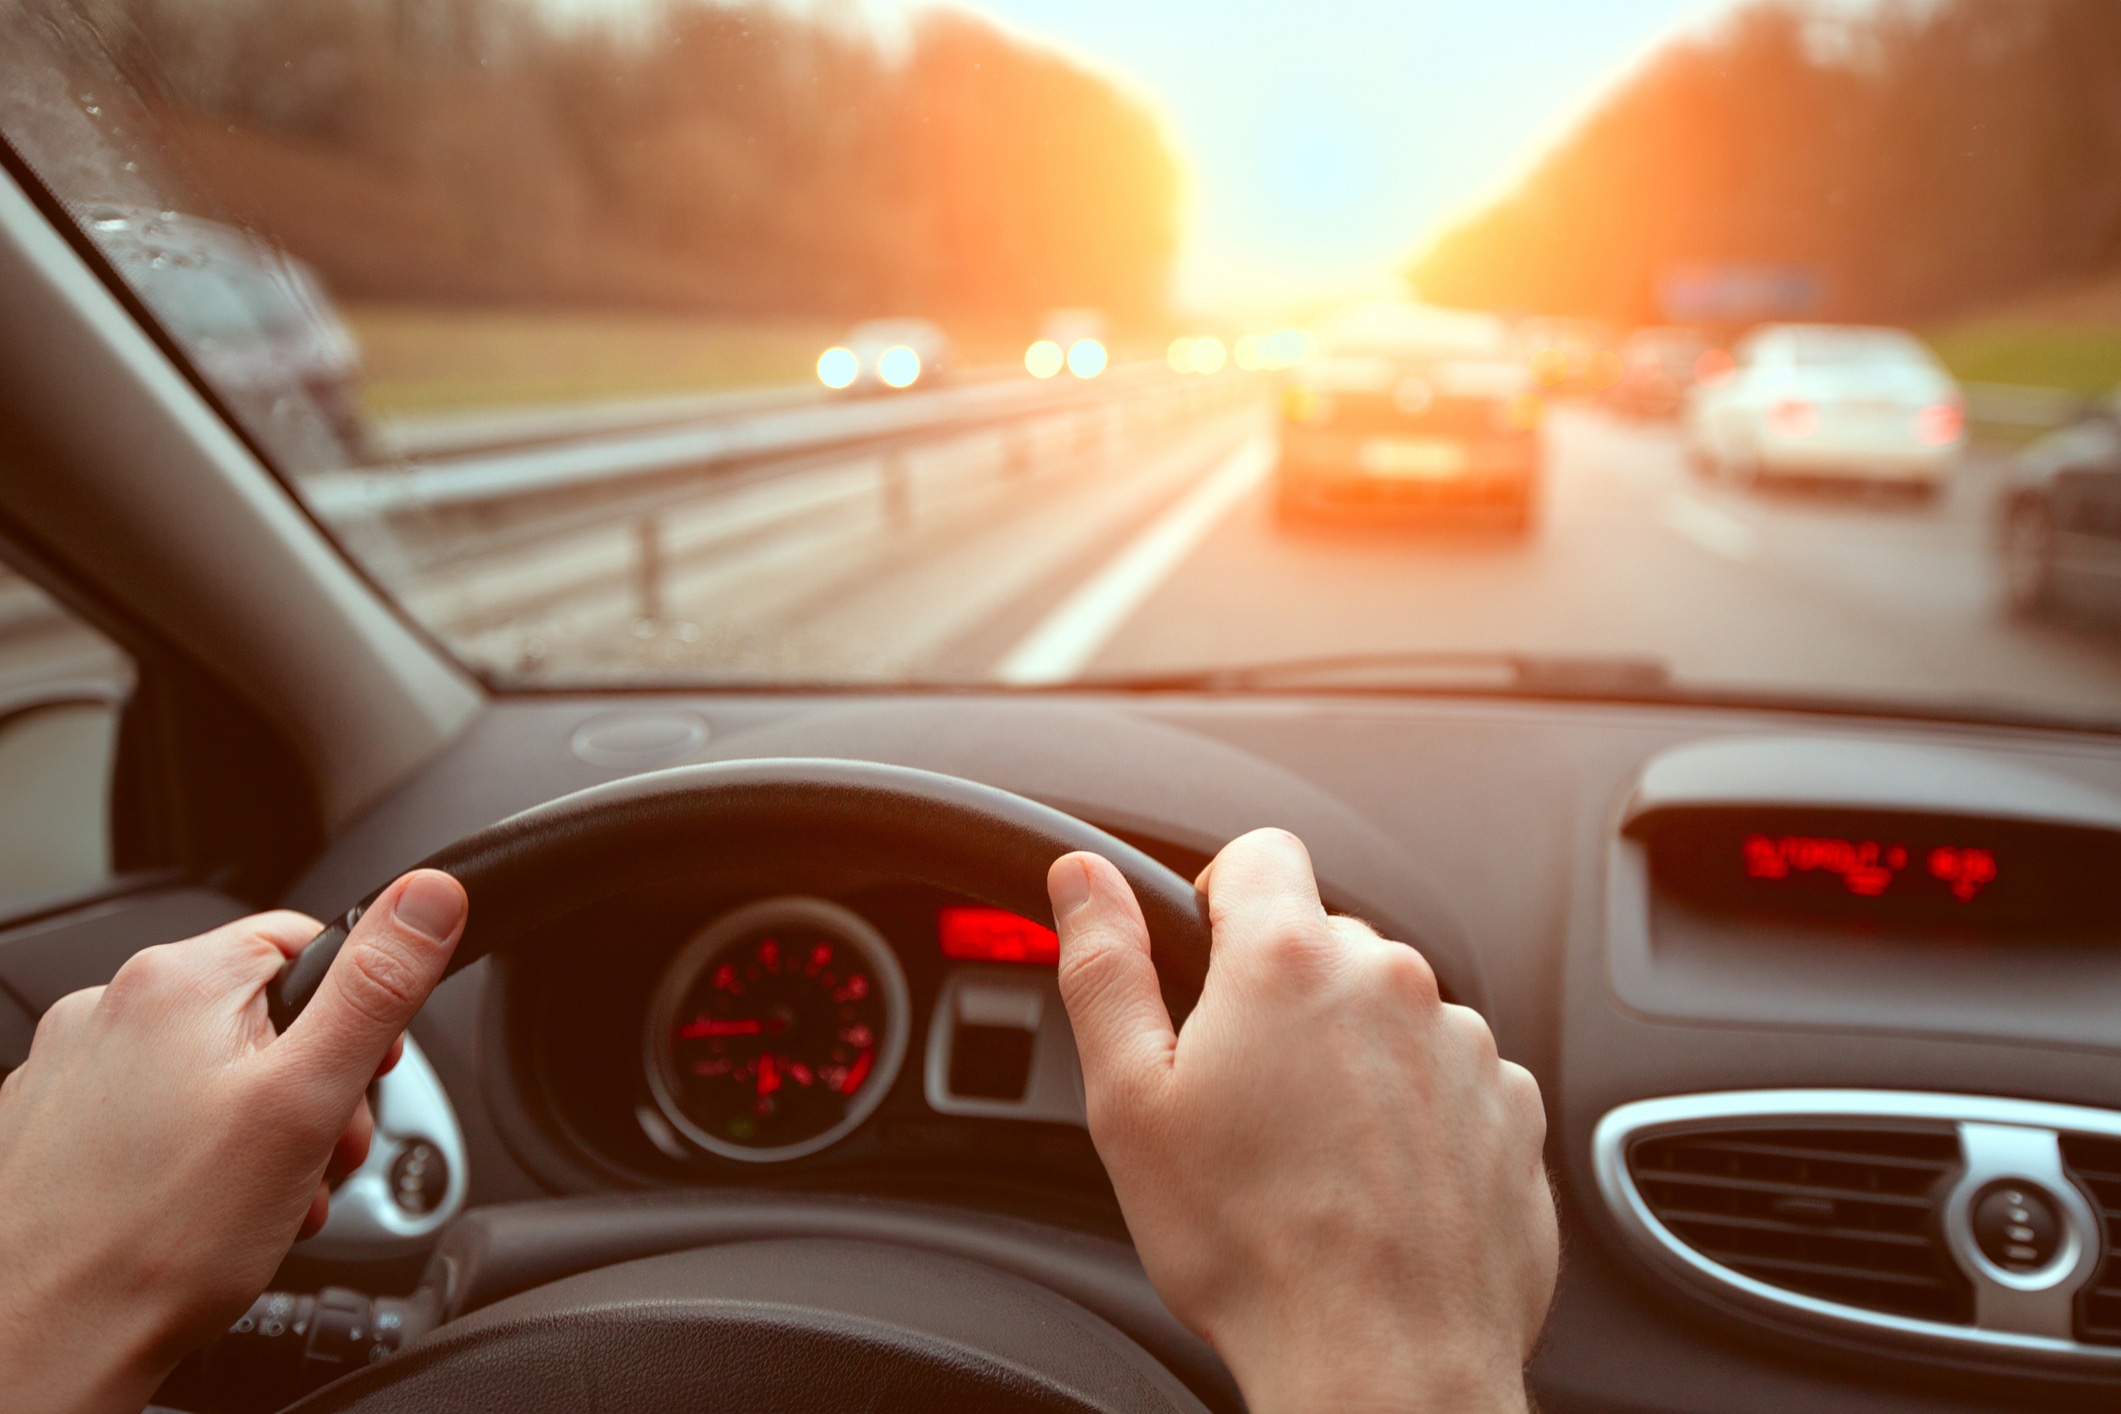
426	359
2068	338
420	359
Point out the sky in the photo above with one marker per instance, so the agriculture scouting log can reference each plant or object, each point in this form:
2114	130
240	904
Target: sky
1327	139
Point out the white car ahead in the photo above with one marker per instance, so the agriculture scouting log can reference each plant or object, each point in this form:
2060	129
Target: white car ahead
1828	401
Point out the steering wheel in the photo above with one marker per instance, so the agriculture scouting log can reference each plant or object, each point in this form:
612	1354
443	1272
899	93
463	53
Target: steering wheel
854	1320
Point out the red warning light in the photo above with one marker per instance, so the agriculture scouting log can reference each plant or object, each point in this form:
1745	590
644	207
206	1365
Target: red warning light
977	934
1965	870
1865	866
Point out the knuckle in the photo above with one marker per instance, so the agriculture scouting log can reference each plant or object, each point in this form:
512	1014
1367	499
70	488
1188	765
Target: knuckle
1090	969
1471	1030
1527	1105
1407	976
147	969
158	975
1296	936
63	1016
380	981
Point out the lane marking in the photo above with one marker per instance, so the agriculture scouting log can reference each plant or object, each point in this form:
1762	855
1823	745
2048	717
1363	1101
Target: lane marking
1717	531
1066	640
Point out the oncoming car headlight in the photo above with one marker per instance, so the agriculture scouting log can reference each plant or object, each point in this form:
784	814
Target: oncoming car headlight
838	368
1086	358
1043	359
899	366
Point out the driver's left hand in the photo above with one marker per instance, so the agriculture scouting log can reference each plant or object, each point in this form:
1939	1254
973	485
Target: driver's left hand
162	1148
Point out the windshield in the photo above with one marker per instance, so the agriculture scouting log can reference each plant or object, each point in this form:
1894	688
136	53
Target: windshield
1359	344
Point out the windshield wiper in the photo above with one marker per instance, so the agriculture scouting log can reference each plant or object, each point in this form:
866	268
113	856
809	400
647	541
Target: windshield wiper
1533	674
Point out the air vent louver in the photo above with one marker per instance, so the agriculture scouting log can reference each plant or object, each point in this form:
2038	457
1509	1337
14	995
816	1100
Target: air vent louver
2096	1164
1840	1214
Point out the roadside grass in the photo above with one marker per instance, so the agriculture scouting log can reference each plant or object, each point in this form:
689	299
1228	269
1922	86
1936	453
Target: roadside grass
2082	359
431	359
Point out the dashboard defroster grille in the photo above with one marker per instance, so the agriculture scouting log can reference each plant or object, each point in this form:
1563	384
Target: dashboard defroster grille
1840	1214
2096	1164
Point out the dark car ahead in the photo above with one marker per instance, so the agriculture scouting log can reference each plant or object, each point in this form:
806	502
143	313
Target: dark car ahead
256	320
1411	408
2060	525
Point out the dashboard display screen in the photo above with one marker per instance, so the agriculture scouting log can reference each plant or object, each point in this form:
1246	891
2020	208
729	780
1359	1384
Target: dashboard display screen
1988	878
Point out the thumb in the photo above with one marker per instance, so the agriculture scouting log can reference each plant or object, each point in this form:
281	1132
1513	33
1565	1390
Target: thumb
378	982
1122	1031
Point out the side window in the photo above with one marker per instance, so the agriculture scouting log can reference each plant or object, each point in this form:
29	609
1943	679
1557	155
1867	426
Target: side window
62	687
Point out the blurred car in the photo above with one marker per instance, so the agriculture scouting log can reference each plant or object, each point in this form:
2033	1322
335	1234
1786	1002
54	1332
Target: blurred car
1829	401
257	322
886	355
2060	518
1569	356
1410	407
1078	340
1657	367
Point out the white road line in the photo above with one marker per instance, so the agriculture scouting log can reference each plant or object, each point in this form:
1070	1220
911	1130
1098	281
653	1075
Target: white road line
1717	531
1065	641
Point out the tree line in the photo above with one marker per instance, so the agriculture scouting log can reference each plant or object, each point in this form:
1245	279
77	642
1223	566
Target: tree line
1925	157
693	154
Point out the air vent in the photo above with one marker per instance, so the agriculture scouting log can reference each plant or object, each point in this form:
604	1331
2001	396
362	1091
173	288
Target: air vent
2096	1164
1845	1215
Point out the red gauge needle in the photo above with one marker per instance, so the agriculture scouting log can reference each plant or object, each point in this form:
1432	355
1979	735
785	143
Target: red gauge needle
857	1073
702	1028
769	1076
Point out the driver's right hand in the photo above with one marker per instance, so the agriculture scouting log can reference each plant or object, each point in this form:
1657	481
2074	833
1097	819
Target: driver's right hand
1328	1171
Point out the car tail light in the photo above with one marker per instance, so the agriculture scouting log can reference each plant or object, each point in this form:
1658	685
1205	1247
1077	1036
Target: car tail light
1304	404
1521	413
1714	368
1939	424
1794	417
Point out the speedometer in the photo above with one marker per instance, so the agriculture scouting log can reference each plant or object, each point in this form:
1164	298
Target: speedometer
777	1030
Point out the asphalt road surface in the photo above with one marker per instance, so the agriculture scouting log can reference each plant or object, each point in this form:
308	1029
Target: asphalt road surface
1149	551
1818	592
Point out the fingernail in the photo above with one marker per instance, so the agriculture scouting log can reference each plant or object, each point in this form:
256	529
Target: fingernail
1069	888
431	904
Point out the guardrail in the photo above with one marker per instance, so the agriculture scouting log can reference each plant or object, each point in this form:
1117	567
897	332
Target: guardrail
479	540
741	437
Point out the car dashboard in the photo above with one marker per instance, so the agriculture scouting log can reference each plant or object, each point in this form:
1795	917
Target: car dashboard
1822	1006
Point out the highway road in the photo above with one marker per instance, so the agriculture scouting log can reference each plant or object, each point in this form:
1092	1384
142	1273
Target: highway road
1778	590
1157	551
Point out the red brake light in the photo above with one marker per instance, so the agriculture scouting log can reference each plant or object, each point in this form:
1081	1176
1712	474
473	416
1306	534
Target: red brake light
977	934
1794	417
1939	424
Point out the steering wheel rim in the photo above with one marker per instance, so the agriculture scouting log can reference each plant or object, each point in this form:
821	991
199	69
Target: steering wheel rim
656	828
